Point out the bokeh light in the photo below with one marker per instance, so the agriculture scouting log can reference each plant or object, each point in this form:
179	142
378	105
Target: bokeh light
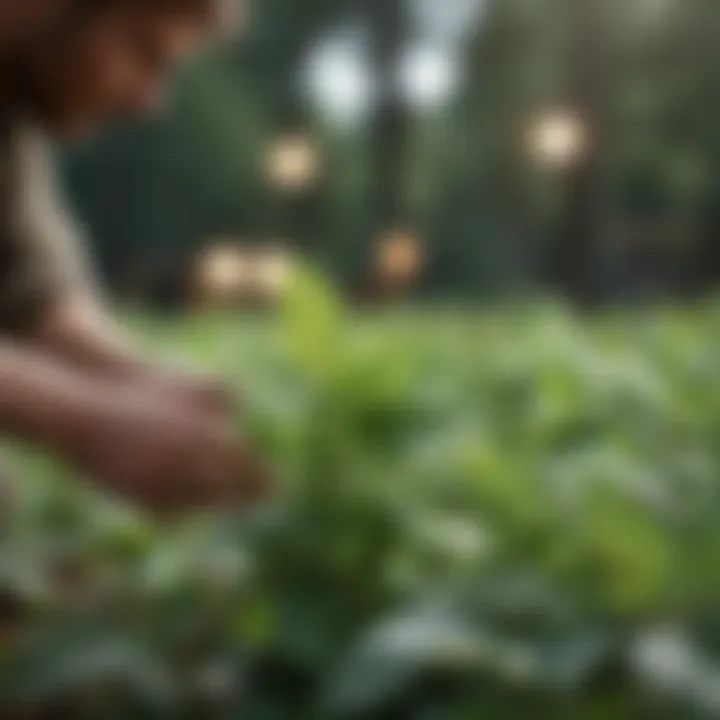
292	163
557	139
399	257
222	271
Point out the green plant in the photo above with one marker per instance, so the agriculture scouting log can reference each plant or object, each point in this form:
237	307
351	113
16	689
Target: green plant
501	514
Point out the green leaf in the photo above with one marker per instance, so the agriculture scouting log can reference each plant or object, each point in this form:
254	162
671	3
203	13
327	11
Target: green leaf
75	658
313	323
392	655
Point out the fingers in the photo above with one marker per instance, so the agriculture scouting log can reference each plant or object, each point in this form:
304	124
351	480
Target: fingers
231	477
169	458
251	476
213	398
218	399
219	473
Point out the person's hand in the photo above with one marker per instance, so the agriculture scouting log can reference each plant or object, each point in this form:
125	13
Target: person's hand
194	392
164	456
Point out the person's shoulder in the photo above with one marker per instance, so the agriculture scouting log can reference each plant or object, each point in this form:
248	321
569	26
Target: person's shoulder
26	133
29	149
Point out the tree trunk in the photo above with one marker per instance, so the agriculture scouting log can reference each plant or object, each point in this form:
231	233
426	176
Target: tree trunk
582	227
389	124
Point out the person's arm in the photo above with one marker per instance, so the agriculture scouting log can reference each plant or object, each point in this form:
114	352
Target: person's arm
134	444
56	304
69	387
76	328
50	295
42	401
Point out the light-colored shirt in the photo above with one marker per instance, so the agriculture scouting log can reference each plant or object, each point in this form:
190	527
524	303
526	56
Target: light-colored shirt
41	247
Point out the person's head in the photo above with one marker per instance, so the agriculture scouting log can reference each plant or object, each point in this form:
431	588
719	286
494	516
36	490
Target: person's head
23	21
114	57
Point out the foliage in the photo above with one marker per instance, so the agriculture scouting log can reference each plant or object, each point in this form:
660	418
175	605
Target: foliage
502	514
154	193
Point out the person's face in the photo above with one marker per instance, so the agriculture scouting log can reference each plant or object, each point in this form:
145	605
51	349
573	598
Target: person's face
113	64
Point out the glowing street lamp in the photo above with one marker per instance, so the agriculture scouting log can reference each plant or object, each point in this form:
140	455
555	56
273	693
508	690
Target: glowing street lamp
557	139
292	163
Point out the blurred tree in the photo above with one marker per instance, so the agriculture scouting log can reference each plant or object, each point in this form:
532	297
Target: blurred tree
484	231
581	231
390	122
644	77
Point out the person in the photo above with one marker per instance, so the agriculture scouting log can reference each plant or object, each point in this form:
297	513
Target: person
70	380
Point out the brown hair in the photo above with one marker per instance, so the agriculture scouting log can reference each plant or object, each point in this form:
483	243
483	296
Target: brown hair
206	9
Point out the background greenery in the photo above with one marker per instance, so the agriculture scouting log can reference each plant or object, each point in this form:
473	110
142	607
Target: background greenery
643	74
462	529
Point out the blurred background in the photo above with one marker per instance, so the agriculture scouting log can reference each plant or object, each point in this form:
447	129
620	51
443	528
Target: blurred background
385	222
462	149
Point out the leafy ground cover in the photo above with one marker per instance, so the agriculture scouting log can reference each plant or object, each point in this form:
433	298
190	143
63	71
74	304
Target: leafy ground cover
500	513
